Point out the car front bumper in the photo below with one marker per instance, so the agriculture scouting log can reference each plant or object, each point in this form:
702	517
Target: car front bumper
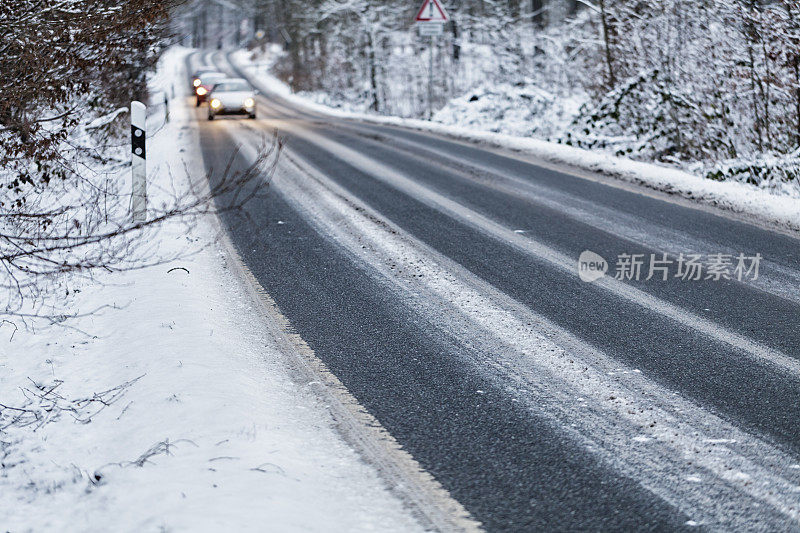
233	110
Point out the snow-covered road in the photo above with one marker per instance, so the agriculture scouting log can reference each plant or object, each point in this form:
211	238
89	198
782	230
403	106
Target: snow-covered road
209	425
397	337
438	281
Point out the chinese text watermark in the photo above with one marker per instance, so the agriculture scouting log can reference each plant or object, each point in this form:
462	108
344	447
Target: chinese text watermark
686	267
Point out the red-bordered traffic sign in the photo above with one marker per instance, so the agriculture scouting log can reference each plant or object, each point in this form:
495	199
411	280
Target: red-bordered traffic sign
432	11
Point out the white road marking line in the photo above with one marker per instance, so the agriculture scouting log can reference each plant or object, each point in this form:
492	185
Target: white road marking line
775	279
678	437
432	504
756	350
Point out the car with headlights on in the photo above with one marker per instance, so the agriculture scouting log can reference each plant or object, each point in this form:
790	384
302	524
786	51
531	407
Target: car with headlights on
199	72
232	97
207	82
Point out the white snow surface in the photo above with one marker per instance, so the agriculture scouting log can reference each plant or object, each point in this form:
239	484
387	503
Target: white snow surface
521	110
468	123
214	434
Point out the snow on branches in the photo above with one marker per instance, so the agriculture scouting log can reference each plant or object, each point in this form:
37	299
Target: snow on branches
678	81
60	60
64	63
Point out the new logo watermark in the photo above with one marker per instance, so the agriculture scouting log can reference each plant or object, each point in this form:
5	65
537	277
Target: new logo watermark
686	267
591	266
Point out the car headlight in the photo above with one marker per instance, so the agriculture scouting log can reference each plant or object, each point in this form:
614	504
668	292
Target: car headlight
249	102
196	82
215	103
201	91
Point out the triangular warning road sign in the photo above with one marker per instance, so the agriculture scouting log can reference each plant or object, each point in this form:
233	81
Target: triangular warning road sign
432	11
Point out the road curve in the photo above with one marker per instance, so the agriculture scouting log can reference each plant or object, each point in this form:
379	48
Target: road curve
438	281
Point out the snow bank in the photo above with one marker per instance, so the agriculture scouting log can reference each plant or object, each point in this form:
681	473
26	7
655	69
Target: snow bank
748	200
174	410
522	110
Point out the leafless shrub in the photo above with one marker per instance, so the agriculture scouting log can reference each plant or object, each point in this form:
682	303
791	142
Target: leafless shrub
160	448
44	404
164	447
83	226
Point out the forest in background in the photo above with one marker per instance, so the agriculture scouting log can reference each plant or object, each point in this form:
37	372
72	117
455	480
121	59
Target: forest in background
708	85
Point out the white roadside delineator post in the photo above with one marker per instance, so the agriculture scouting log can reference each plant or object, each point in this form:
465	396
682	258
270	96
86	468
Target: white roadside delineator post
138	162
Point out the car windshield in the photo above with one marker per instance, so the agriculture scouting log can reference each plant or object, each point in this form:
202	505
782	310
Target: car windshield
211	79
233	86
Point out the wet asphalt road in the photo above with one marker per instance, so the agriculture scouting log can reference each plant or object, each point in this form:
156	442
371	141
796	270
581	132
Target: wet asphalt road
512	465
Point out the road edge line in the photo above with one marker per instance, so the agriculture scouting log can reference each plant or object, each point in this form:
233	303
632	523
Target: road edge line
431	504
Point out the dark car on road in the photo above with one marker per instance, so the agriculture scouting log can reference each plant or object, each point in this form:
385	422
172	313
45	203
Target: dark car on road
199	72
207	83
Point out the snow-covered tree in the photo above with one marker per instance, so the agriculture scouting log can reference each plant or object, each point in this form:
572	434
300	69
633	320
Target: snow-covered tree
69	70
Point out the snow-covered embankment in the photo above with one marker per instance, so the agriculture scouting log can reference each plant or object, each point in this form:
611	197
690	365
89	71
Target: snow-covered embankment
175	409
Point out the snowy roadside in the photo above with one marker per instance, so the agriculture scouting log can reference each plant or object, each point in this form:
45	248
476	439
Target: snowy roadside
201	426
754	203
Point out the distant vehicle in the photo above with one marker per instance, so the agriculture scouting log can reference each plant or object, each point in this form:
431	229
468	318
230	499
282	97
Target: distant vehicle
232	97
198	74
207	82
